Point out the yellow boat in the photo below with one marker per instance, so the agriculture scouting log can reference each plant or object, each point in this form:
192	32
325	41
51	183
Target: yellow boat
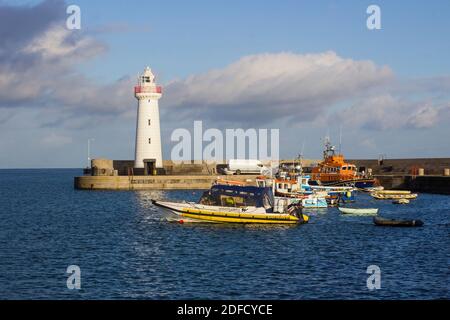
392	191
234	204
204	213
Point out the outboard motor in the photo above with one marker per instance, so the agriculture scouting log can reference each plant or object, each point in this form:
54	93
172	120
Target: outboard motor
295	209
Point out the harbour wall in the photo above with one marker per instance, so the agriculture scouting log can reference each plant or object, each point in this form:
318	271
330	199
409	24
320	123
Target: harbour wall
153	182
421	184
431	166
392	174
106	167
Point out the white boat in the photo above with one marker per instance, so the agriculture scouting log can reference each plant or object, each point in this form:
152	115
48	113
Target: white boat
307	202
297	190
316	200
358	210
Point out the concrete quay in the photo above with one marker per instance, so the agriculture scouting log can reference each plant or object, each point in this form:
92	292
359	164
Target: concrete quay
153	182
421	184
418	175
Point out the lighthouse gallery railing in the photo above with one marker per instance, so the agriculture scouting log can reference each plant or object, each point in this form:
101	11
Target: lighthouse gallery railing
142	89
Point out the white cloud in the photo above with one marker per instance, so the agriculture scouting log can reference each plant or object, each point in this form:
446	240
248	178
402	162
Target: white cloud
58	43
38	67
424	117
265	87
384	112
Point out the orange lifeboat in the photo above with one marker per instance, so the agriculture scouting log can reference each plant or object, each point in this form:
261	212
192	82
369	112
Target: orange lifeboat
333	170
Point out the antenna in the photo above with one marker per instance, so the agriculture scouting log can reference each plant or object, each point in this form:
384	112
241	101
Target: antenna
340	139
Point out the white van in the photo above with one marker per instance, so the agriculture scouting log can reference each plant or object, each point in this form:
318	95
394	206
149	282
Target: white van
246	166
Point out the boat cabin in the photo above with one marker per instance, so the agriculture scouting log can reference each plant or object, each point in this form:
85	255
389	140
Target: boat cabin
333	168
238	196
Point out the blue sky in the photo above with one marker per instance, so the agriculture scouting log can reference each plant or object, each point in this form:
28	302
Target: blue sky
194	36
181	39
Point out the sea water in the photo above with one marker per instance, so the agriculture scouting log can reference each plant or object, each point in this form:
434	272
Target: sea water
125	248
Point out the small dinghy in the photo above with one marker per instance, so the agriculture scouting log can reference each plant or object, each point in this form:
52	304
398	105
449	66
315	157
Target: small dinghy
396	223
365	211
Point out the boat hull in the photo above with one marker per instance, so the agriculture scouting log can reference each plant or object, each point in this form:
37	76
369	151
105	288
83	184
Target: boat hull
364	184
357	183
368	211
396	223
314	203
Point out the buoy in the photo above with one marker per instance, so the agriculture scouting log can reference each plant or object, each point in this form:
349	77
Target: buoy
181	221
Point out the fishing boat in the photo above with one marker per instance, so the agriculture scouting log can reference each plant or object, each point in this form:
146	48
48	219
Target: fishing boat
235	204
334	171
362	211
304	195
378	221
289	188
297	187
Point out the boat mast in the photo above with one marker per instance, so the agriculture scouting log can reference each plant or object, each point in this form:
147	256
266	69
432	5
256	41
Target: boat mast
329	149
300	158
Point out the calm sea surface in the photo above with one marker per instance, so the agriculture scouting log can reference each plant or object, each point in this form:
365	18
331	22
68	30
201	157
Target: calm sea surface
126	249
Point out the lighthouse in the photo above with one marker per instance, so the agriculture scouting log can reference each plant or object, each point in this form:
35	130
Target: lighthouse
148	134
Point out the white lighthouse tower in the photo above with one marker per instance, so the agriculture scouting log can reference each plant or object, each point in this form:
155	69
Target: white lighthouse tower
148	134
